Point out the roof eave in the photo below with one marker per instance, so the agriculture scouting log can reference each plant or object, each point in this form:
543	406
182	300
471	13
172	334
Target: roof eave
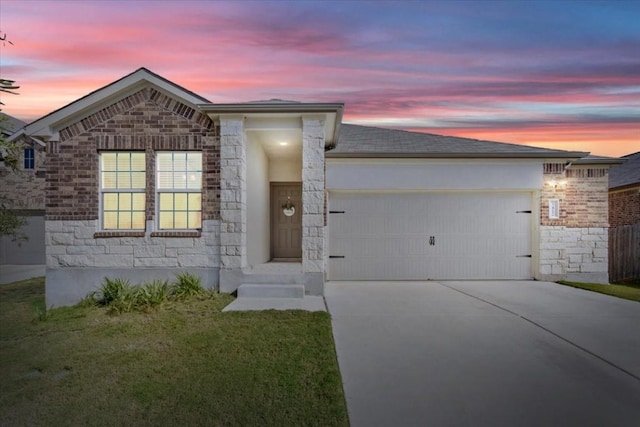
599	161
628	186
567	156
216	110
251	108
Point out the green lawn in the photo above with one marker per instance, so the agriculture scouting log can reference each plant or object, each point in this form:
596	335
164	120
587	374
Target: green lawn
630	291
182	365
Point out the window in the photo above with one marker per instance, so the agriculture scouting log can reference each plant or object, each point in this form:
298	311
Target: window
179	190
29	158
122	190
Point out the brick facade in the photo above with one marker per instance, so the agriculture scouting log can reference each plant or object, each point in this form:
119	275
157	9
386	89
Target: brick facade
147	120
624	207
582	192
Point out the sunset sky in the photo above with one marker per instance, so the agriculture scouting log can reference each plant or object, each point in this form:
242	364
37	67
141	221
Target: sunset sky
557	74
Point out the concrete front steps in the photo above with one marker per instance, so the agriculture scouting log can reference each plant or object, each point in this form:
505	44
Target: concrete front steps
275	286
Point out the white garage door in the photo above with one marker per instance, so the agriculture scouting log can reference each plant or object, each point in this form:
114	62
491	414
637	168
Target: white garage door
438	236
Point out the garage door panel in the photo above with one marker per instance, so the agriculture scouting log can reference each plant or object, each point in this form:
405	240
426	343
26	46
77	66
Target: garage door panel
389	236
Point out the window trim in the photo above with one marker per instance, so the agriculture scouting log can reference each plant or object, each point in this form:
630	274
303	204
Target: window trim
158	192
102	191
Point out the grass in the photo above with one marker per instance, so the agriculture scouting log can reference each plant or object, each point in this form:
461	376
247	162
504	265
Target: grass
185	363
628	290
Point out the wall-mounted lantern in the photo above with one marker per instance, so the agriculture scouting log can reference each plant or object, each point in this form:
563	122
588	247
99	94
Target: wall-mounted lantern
554	209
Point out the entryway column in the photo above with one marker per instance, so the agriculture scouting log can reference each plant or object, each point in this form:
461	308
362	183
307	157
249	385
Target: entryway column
313	140
233	198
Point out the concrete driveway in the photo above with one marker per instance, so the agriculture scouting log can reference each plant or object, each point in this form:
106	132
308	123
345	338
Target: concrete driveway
500	353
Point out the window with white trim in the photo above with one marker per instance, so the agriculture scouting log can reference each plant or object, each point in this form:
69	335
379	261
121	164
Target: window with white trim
29	158
122	190
179	190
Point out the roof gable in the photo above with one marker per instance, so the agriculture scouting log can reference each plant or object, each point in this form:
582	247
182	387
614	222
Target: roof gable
48	126
10	124
626	174
366	141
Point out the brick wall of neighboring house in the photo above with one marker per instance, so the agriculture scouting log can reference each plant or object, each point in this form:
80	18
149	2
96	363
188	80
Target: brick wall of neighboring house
24	188
575	246
624	207
147	120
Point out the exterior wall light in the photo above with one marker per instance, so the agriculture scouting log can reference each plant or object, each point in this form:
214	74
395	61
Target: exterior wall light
554	209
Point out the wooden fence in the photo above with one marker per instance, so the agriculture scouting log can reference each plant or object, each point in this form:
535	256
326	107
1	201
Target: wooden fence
624	253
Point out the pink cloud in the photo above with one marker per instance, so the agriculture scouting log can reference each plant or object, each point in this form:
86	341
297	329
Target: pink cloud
390	71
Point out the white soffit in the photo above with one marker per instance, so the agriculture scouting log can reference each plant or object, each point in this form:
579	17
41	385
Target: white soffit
280	115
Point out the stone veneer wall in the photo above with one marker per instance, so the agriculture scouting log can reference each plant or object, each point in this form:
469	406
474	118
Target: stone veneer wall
73	244
233	195
575	246
79	255
313	195
233	209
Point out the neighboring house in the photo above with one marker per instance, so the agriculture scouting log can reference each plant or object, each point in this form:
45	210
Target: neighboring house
23	190
145	179
624	219
624	192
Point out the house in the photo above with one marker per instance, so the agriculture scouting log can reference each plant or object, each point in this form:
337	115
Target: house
624	192
624	219
23	191
145	179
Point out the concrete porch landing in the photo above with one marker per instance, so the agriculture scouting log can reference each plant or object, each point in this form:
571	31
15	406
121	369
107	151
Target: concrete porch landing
308	303
275	286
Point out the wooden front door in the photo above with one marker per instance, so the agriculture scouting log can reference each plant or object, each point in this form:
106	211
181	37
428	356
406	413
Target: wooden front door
286	231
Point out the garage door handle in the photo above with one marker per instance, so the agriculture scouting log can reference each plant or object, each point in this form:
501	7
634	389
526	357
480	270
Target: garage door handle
432	241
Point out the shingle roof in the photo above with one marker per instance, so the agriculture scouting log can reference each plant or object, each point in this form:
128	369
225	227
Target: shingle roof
10	124
367	141
627	173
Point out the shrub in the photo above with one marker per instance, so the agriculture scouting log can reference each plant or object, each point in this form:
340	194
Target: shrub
113	290
90	300
151	294
187	285
124	302
41	314
119	296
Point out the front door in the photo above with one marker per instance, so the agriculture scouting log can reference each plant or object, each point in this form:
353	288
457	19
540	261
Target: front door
286	224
